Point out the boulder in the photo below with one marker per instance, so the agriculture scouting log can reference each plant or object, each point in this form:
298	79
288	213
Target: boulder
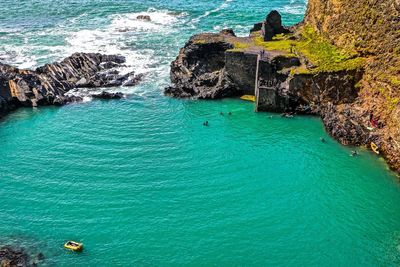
272	26
228	32
144	17
274	20
257	27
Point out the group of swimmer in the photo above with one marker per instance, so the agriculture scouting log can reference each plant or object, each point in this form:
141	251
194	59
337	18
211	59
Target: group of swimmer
354	153
206	123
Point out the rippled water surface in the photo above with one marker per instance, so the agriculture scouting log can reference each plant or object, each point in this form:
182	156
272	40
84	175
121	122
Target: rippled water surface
141	182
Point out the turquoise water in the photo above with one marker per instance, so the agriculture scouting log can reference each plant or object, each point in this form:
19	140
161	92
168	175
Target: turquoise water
141	182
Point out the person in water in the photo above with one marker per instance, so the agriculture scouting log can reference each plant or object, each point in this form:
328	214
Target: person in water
230	113
322	140
205	123
354	153
221	113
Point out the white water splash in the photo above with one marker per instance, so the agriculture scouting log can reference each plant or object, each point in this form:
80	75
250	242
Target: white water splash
295	7
224	5
117	36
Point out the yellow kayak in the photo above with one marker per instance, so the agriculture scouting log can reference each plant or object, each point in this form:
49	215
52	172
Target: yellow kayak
74	246
375	148
248	98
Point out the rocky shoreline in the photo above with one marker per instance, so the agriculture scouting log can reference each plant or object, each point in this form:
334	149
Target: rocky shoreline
49	85
288	69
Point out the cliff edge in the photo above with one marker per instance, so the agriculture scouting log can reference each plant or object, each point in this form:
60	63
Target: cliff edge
341	63
370	29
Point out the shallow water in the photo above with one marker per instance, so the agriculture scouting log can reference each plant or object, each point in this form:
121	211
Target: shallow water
140	181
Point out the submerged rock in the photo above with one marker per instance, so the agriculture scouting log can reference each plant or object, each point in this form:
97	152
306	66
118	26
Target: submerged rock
49	84
18	257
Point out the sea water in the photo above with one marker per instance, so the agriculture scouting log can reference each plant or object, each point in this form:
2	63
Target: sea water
141	181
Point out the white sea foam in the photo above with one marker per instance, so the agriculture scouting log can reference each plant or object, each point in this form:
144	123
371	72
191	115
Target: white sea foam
224	5
121	34
18	55
295	7
122	29
160	20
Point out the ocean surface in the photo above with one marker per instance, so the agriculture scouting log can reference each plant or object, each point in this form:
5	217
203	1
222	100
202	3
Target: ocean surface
141	182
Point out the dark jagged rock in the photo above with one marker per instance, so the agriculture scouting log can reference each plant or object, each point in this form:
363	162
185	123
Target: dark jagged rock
49	84
257	27
107	95
133	80
199	72
228	32
272	26
18	257
144	17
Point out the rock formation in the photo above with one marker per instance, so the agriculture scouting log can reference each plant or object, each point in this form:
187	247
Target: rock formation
272	26
49	84
313	68
198	70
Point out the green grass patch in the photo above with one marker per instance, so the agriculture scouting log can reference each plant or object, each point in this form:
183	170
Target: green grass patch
321	53
239	46
278	44
395	81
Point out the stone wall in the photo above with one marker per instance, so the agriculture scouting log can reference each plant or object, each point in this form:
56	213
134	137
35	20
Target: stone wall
241	69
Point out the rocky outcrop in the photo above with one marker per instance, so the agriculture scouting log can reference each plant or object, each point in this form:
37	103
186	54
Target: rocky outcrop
199	71
49	84
18	257
348	84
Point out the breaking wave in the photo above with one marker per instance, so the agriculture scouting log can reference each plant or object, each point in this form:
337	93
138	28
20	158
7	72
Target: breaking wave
116	34
224	5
